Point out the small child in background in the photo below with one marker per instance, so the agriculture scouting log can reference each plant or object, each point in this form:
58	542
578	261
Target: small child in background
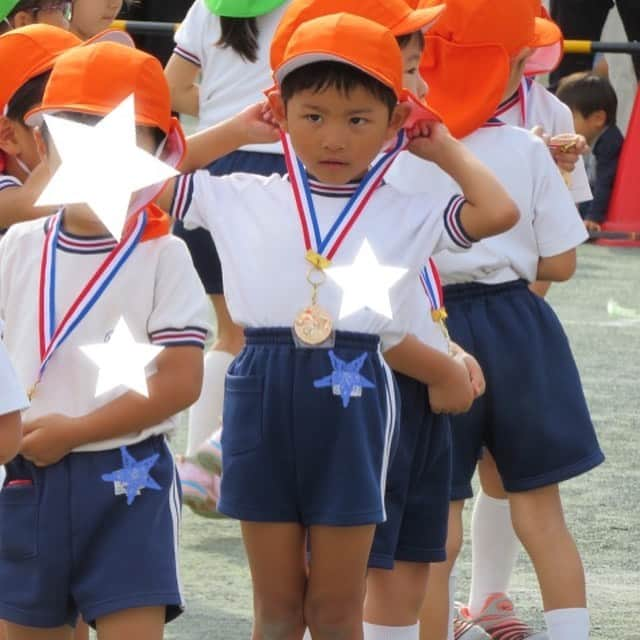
15	14
593	102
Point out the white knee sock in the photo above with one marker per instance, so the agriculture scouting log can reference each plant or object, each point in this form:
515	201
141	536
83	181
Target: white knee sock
453	578
567	624
307	635
494	550
205	414
380	632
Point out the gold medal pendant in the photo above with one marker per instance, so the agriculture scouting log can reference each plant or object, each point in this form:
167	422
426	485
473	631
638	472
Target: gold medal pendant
313	325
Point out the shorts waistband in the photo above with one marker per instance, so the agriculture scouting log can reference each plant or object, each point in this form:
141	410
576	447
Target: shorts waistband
282	336
480	289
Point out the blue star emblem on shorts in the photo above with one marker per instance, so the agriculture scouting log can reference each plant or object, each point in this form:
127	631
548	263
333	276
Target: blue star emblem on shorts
345	380
133	477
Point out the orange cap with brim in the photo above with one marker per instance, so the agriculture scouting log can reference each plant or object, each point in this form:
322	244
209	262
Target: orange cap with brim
33	50
355	41
396	15
468	53
544	59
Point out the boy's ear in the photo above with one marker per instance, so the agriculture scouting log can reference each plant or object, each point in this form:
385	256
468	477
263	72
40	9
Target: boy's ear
599	118
278	109
8	141
22	19
41	145
398	118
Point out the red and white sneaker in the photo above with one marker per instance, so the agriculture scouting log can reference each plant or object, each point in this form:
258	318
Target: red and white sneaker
466	629
498	618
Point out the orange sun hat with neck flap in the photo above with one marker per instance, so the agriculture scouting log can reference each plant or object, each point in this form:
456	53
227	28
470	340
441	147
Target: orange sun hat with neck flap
355	41
468	55
33	50
544	59
396	15
95	80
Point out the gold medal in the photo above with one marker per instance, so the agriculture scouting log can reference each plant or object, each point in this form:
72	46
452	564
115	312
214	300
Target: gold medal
32	391
313	325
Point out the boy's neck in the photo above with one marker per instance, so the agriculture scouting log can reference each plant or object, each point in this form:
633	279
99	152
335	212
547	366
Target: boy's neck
80	222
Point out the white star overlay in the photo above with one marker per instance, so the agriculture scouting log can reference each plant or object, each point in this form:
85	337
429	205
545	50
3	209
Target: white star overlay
122	361
102	165
366	283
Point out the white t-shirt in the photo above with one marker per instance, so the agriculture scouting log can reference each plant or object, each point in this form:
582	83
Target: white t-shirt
7	182
258	235
549	221
157	292
545	110
12	395
229	83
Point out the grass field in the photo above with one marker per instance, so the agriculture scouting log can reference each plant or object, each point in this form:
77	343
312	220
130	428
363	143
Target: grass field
603	508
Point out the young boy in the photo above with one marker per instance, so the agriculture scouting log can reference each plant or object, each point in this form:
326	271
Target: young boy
310	405
87	460
594	105
493	315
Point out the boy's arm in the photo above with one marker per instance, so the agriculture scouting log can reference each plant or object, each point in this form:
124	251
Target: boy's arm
488	210
175	386
450	389
181	77
10	436
559	268
16	201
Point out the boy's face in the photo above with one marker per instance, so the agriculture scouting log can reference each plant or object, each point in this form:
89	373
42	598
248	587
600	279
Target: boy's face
17	141
411	56
93	16
337	135
518	63
590	126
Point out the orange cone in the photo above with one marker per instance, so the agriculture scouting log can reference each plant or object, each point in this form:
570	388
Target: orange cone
622	224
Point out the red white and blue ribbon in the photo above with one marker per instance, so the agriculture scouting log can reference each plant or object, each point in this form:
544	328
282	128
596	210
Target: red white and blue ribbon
51	335
432	285
521	98
323	249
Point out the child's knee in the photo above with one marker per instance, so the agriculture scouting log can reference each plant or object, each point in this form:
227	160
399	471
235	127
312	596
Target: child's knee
537	515
278	619
328	613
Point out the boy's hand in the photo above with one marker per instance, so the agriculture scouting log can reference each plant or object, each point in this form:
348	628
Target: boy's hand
476	376
566	148
429	140
592	226
454	394
46	440
258	125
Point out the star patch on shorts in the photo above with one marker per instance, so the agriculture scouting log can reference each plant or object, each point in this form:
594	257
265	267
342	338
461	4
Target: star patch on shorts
345	380
133	477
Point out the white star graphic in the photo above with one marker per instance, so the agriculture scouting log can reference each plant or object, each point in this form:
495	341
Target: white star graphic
366	283
102	165
122	361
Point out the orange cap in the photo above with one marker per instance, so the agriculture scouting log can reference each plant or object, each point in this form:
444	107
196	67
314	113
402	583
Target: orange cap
356	41
544	59
33	50
98	78
396	15
468	53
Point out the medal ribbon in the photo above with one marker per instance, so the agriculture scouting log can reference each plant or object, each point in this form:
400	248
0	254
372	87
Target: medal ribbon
51	337
522	100
430	279
320	251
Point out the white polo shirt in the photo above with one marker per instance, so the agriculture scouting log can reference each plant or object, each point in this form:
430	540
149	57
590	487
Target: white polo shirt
543	109
12	395
549	222
7	182
258	235
229	83
157	292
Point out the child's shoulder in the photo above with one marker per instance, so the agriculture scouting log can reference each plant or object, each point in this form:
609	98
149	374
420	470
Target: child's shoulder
506	142
239	182
28	231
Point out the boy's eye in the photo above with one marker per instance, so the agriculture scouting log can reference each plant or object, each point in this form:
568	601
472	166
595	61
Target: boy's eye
412	71
357	120
313	117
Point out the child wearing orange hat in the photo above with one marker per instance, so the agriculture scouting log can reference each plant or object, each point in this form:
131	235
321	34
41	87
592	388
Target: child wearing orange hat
20	13
489	304
85	459
310	406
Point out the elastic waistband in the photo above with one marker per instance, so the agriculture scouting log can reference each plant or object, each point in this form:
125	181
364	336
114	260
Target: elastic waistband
283	336
479	289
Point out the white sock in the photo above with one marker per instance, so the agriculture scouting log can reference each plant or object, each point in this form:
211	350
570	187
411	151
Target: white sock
307	635
567	624
494	550
205	414
453	578
380	632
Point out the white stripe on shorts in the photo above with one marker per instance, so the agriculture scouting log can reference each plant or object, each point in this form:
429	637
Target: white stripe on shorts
389	429
174	500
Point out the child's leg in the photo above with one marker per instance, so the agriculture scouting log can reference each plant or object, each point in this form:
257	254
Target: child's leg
18	632
145	623
395	598
81	631
495	546
539	521
434	619
334	601
276	553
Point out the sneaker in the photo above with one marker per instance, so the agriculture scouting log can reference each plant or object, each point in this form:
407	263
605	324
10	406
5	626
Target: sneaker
498	618
464	627
200	489
209	455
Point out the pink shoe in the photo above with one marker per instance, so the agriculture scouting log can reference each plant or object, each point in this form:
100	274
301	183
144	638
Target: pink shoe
209	455
498	618
200	489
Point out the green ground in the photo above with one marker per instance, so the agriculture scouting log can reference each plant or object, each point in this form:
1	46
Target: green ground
602	508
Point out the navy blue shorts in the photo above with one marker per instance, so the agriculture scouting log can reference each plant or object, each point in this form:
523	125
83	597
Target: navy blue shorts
307	438
418	485
69	544
199	241
533	417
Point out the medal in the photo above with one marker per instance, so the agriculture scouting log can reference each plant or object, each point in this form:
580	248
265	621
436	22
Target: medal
313	325
430	280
